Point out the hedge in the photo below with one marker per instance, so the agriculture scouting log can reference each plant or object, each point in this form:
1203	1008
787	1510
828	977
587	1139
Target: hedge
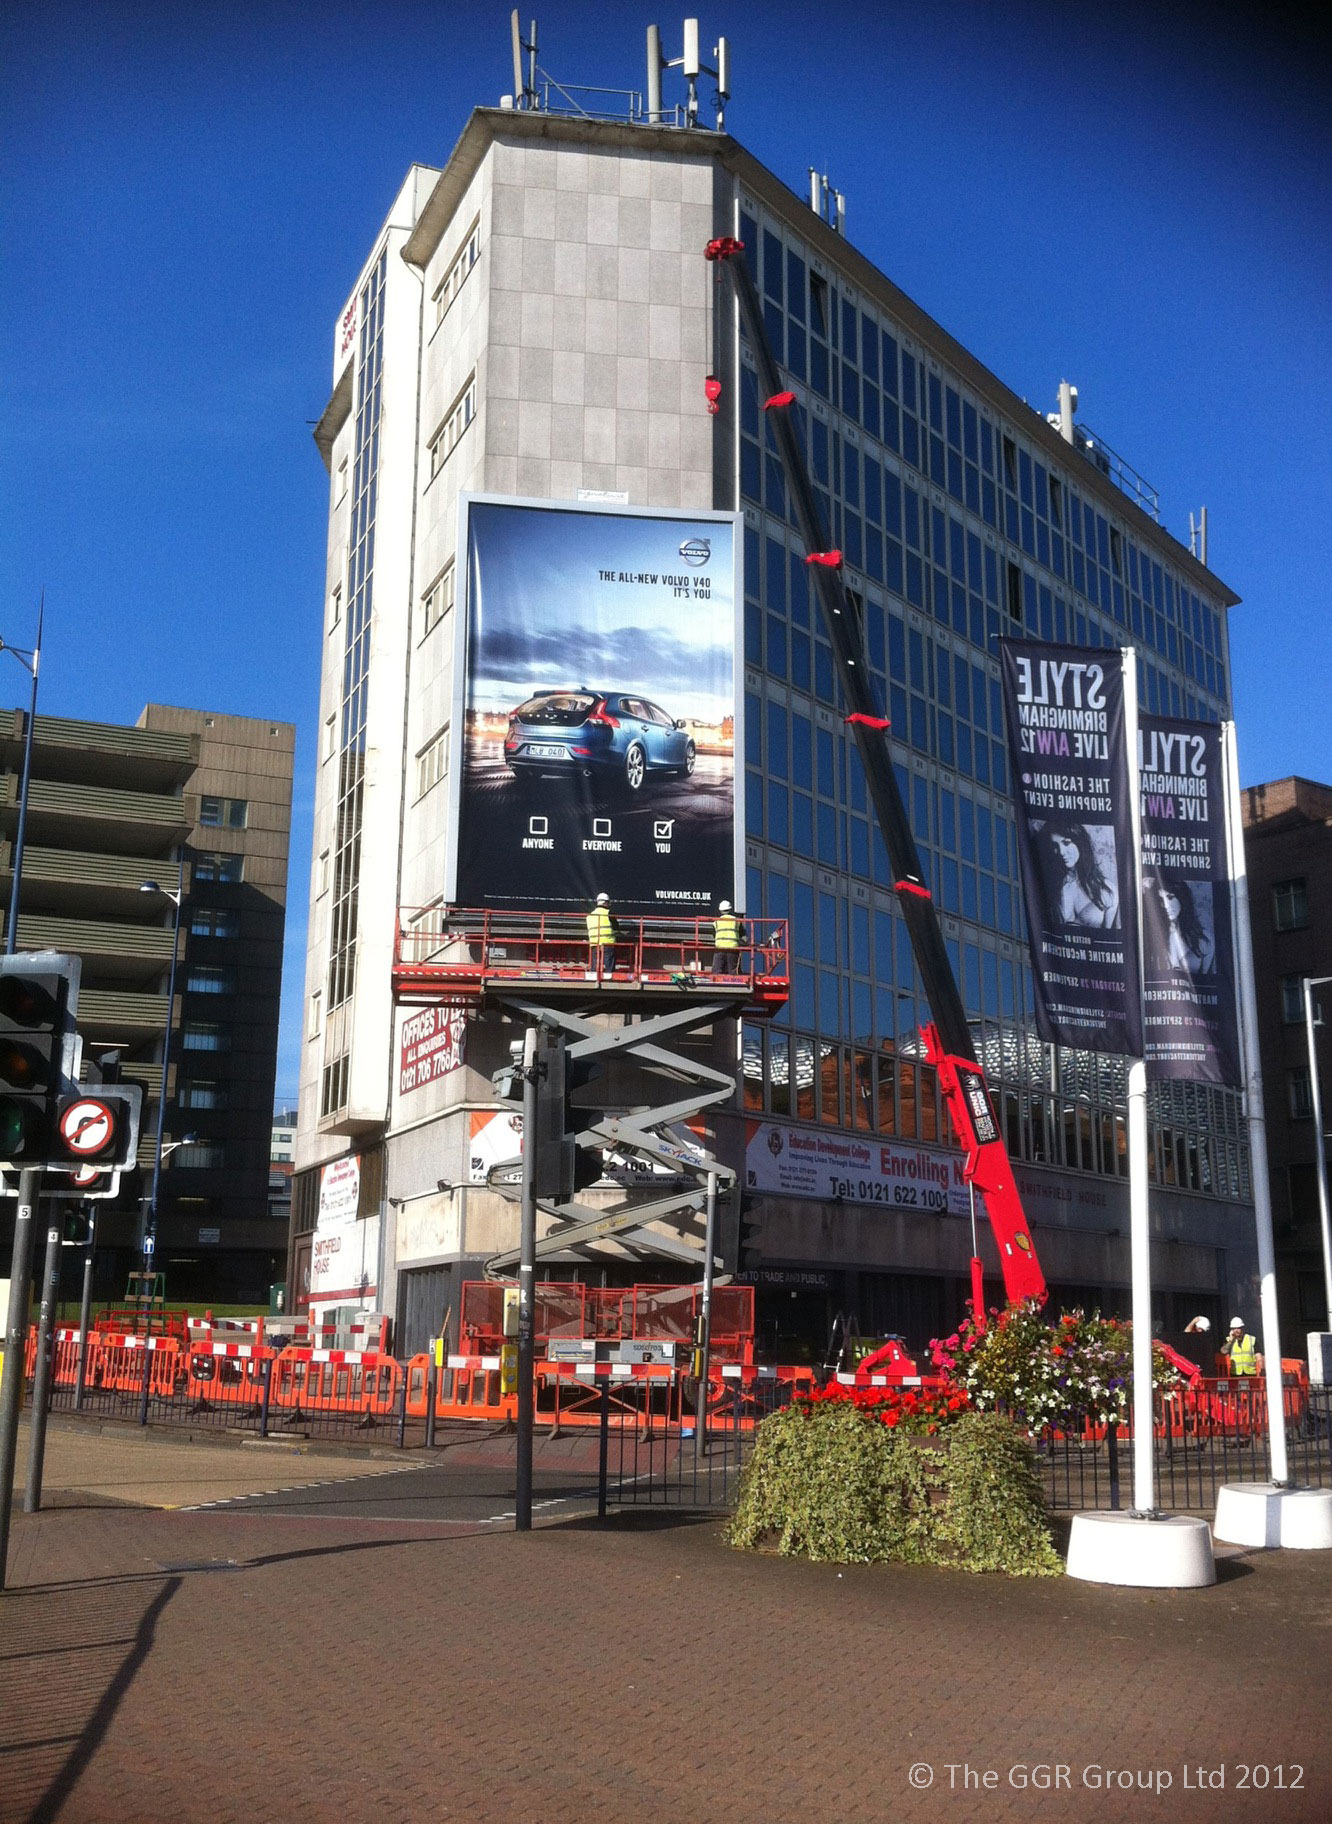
836	1485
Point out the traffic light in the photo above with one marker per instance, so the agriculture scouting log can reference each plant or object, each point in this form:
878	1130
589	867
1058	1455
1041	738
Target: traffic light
78	1229
750	1241
560	1167
38	1002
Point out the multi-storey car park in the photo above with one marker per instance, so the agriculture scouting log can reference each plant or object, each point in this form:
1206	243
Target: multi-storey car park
537	319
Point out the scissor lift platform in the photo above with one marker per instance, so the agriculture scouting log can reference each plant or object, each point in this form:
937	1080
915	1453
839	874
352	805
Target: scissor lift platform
472	959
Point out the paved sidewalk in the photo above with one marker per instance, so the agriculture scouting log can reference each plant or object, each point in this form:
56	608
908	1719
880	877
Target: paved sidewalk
243	1663
87	1466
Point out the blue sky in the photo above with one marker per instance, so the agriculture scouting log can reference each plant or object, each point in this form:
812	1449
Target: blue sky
609	634
1138	201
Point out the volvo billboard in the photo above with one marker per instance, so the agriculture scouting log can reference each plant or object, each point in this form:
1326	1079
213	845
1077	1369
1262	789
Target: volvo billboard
596	709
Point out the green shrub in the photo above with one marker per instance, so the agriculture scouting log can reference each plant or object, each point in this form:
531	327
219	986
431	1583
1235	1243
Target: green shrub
995	1516
834	1484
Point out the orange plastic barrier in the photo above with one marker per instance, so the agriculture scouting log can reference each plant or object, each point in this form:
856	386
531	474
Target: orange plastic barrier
641	1392
225	1374
311	1381
469	1388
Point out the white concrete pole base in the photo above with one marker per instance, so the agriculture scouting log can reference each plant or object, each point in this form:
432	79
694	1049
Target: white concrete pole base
1173	1553
1258	1514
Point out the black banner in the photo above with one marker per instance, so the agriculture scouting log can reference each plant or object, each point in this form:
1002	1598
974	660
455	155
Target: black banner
1065	709
1188	954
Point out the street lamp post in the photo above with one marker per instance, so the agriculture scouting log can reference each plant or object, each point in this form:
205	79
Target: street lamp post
31	661
1320	1143
178	900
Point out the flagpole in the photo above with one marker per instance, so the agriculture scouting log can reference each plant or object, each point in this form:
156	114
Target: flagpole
1140	1232
1253	1096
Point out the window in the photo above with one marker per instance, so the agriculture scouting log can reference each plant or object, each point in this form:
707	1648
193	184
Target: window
212	921
1290	909
219	870
456	420
335	607
224	813
330	737
1292	999
315	1015
322	874
340	488
333	1092
196	1035
439	598
204	1155
431	763
201	980
1014	591
1299	1091
199	1092
452	282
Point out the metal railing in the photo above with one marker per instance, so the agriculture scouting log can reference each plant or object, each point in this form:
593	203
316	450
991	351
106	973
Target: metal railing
470	951
1217	1436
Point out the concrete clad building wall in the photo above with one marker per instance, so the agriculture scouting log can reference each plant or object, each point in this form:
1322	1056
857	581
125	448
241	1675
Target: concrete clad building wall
565	321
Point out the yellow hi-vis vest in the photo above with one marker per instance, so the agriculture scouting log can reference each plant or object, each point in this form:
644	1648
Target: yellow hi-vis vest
727	932
1243	1355
600	928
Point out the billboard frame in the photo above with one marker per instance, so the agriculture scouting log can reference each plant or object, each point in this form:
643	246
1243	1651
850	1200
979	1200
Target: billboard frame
457	745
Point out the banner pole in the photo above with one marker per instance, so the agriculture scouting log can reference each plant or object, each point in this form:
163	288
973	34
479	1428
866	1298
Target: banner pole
1140	1243
1253	1097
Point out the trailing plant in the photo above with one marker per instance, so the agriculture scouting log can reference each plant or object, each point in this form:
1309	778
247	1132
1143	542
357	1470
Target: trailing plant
839	1479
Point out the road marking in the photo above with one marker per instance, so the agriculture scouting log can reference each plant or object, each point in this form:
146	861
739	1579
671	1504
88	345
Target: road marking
258	1494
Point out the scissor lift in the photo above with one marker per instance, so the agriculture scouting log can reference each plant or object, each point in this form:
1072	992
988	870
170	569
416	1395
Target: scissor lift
667	977
475	959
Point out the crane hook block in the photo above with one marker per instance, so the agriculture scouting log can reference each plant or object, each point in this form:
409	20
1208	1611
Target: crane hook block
712	386
829	560
723	248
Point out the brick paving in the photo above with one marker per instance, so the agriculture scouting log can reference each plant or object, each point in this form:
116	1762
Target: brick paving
247	1664
121	1463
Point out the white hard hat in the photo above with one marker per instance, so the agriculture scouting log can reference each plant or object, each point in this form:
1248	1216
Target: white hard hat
1237	1323
724	905
603	899
1201	1324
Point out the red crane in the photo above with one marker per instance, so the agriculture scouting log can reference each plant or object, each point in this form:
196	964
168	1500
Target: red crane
947	1038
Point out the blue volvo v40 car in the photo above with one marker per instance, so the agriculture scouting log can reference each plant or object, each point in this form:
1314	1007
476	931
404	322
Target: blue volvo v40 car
612	734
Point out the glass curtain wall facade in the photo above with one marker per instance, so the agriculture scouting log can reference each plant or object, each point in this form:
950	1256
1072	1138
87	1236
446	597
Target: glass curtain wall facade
355	674
955	529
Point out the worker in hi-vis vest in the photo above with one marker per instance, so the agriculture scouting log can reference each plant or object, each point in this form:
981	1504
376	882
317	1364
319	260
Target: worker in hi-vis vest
601	937
728	935
1241	1349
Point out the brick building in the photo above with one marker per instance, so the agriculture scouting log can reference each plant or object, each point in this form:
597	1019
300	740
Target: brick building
1288	849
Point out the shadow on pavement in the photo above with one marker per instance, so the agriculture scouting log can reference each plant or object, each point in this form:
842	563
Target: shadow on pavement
32	1734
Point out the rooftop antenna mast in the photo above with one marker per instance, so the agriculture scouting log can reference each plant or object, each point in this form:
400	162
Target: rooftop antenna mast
691	65
827	203
524	83
1198	535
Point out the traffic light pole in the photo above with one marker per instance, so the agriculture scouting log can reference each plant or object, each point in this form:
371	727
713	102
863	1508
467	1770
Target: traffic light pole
16	1337
704	1371
41	1377
85	1308
527	1287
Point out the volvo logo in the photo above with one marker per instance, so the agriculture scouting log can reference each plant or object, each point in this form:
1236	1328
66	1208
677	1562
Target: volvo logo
696	551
